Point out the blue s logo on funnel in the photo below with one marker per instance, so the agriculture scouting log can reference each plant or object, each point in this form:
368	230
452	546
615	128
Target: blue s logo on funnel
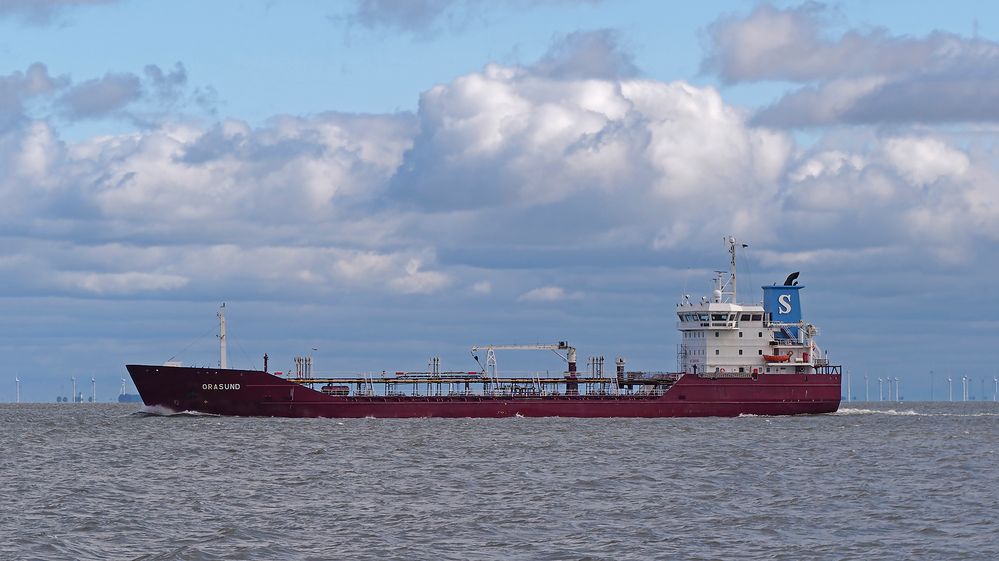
783	303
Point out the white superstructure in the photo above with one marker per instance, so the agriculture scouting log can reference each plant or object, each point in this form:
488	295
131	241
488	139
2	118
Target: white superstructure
721	337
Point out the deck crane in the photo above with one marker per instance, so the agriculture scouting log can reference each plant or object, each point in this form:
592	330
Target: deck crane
490	368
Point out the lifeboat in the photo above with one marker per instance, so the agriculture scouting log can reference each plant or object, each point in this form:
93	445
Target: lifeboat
777	358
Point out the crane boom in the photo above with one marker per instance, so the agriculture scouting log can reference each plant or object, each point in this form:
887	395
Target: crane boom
570	353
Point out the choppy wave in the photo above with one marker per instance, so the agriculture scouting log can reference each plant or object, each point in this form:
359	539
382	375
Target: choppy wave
874	482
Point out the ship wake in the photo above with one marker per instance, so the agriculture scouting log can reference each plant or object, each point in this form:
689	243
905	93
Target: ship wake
910	413
161	411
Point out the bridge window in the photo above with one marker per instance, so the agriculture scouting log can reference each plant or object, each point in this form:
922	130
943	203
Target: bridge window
757	317
718	317
744	317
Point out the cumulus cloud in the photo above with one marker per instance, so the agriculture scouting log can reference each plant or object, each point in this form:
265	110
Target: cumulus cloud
793	44
859	77
925	160
18	87
587	54
526	156
167	85
425	16
43	11
400	14
918	194
101	96
114	93
501	173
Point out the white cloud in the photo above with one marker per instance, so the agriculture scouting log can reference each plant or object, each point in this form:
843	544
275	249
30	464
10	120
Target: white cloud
861	76
494	163
509	142
397	272
925	160
132	282
424	17
549	294
43	11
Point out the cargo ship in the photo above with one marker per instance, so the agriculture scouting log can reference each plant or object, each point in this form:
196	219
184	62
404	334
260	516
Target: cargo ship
733	359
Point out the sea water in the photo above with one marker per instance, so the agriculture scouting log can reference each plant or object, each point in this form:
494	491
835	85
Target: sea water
874	481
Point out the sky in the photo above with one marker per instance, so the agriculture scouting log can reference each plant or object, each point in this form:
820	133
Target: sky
376	182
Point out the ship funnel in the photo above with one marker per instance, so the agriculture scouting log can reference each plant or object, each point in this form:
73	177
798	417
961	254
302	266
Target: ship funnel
783	304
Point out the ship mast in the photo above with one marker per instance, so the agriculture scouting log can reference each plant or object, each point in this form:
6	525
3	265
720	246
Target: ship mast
732	245
222	351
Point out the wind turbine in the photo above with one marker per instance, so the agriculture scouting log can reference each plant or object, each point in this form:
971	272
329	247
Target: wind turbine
995	391
849	386
881	395
867	389
17	390
73	378
950	388
93	390
898	389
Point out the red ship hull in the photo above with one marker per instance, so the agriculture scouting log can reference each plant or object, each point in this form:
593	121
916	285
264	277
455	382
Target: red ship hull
259	394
